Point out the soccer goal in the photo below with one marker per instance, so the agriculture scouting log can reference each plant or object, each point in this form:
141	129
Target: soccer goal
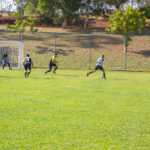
14	49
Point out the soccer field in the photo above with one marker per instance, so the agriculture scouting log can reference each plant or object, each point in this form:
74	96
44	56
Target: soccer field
69	111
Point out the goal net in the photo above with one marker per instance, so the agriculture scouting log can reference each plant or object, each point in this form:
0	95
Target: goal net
14	49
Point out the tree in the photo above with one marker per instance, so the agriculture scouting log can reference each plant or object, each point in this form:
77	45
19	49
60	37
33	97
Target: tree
54	9
21	24
21	4
127	22
68	9
144	5
91	7
116	3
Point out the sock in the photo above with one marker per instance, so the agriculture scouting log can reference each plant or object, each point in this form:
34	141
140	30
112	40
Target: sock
25	74
104	74
55	70
47	71
28	73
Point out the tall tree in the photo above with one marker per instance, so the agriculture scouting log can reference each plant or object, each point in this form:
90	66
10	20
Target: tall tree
20	4
90	7
54	8
68	8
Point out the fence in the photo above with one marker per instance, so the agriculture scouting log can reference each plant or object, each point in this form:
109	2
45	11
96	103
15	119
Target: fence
80	51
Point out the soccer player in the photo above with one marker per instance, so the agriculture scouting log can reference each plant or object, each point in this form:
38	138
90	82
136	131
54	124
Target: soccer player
99	66
5	61
52	63
27	65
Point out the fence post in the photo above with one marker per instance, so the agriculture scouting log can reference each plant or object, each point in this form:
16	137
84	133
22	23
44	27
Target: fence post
125	49
21	36
90	50
55	43
125	58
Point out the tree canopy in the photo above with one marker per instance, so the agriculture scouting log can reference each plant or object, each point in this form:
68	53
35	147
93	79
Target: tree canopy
65	11
116	3
129	21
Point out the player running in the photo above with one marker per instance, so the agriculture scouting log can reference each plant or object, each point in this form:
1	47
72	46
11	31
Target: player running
5	61
99	66
27	65
52	63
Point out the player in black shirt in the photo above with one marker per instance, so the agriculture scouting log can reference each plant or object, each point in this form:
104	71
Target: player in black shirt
27	65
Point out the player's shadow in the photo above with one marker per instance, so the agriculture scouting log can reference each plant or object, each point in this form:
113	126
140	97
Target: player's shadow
41	78
25	78
11	77
67	75
119	79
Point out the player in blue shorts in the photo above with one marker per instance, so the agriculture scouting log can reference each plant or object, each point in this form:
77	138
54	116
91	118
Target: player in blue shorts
99	66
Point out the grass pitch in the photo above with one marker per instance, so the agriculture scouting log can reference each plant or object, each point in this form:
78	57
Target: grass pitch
71	111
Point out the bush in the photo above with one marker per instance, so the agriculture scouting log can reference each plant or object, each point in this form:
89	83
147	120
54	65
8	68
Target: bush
147	11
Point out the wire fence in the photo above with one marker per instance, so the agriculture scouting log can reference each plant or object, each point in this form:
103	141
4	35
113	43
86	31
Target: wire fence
81	51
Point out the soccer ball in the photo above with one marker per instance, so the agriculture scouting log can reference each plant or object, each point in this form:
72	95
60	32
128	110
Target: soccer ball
102	76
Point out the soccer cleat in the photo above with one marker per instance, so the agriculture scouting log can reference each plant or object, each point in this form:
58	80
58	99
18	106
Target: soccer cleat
54	72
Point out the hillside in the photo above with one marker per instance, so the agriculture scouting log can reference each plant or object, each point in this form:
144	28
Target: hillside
74	49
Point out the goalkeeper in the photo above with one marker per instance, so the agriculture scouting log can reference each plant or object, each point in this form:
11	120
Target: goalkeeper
99	66
5	61
52	63
27	65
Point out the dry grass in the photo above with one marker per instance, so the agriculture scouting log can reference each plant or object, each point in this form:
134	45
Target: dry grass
74	49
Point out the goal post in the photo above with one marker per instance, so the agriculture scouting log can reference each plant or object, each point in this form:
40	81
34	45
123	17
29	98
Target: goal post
14	49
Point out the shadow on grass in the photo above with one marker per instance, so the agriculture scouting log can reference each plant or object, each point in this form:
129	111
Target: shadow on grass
119	79
81	41
145	53
24	77
45	50
40	78
11	77
67	75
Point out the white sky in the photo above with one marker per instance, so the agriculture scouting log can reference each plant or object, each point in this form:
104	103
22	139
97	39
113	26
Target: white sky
5	3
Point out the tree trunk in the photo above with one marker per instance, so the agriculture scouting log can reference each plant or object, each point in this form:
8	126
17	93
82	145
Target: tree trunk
125	49
86	21
65	23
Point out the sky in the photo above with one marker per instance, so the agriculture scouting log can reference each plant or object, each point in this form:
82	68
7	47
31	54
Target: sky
5	3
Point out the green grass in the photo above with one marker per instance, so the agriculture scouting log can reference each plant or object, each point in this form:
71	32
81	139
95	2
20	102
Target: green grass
69	111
